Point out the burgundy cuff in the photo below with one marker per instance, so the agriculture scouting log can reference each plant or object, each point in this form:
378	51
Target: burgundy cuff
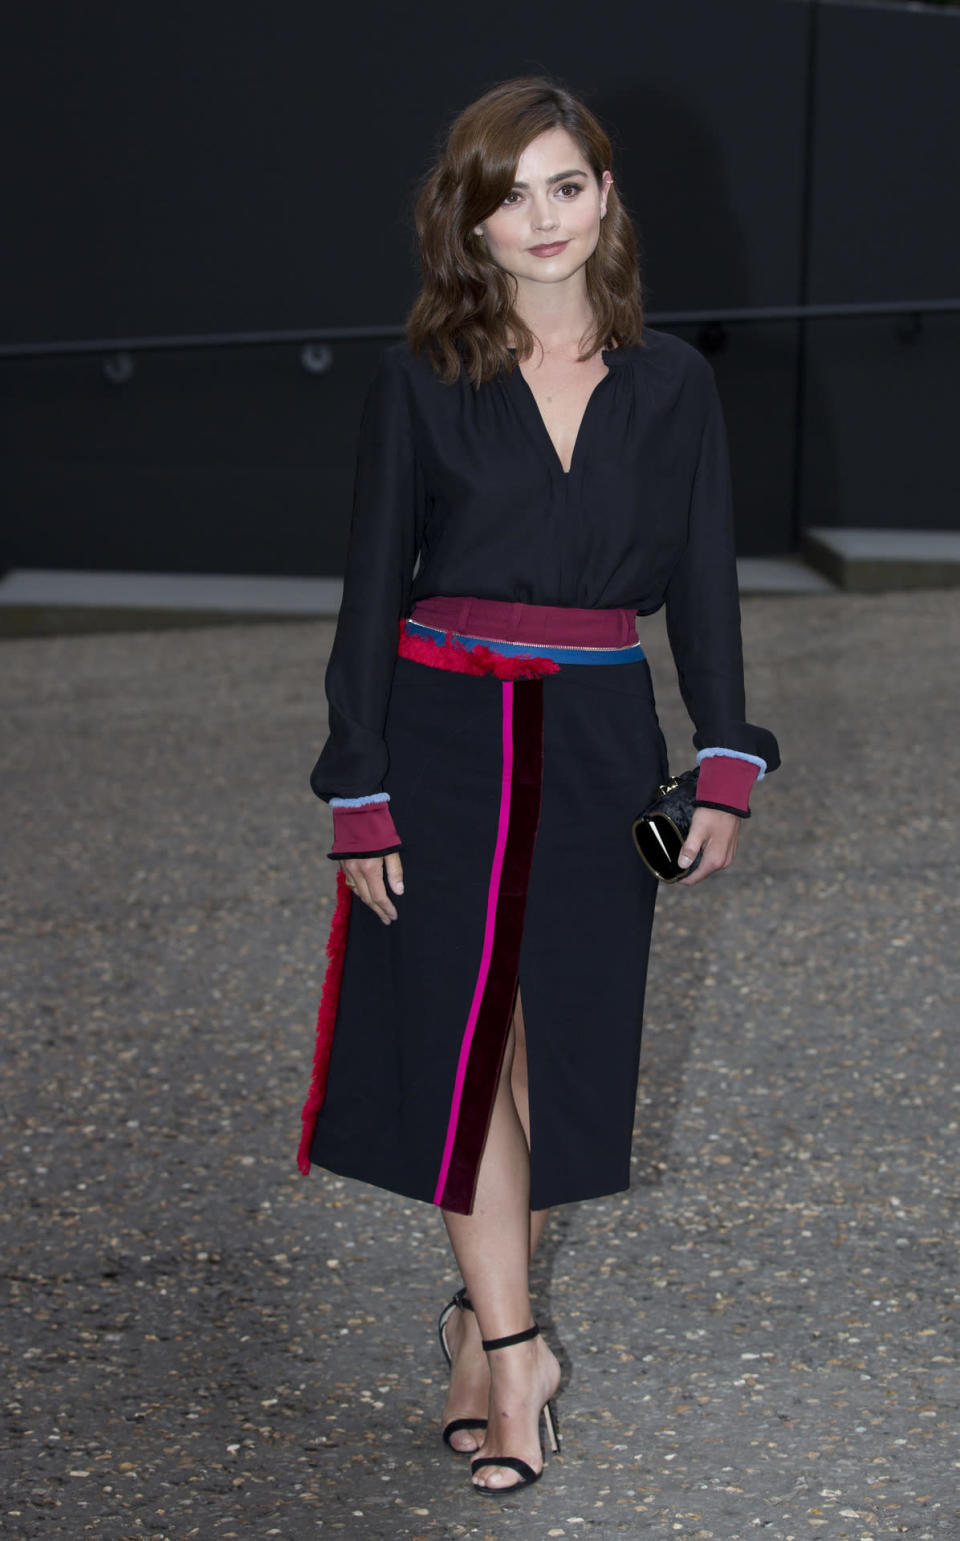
368	831
725	780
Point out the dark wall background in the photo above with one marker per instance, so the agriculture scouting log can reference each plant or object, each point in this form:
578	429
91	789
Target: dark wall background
234	168
884	397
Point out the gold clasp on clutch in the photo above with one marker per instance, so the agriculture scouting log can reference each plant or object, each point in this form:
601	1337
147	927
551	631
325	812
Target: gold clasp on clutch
668	786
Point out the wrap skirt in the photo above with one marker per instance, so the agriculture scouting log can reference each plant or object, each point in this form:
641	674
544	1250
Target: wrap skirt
515	773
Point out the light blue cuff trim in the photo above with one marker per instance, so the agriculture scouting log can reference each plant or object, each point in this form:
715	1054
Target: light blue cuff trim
359	802
735	754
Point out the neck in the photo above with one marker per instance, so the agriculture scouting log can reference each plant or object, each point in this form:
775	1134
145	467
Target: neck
558	315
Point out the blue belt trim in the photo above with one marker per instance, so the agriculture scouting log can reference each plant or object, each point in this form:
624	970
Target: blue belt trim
633	653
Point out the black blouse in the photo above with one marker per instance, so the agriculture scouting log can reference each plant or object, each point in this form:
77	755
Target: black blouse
459	491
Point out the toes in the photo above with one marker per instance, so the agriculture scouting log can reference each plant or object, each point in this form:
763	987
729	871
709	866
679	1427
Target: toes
464	1449
501	1478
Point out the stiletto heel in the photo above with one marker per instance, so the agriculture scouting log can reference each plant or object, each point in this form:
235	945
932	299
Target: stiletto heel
524	1471
553	1426
460	1302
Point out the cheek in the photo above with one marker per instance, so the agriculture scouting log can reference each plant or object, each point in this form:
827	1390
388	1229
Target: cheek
583	217
500	237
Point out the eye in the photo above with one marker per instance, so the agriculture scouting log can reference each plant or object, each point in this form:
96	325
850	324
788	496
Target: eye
570	190
514	194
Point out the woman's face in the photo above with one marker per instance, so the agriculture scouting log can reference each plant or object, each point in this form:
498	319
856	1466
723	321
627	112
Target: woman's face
549	223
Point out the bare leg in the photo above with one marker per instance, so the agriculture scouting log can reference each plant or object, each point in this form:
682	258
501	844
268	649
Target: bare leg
469	1388
519	1085
505	1152
492	1247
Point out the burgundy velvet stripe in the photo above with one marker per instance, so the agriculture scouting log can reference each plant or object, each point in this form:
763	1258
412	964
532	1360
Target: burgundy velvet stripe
496	1008
326	1020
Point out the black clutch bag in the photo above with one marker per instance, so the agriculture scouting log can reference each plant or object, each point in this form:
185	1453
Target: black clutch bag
662	828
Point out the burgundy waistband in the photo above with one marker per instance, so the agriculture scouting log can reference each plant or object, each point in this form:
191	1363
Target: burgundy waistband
504	621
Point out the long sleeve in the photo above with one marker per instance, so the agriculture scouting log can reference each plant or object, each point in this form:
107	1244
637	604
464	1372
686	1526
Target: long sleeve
703	617
385	529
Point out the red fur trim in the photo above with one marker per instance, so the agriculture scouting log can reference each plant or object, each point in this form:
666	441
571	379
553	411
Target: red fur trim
326	1017
451	654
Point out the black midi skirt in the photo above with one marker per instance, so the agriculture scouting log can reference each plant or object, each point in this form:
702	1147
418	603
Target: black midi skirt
514	798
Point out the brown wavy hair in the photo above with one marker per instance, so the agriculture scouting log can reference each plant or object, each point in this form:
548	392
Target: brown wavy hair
464	315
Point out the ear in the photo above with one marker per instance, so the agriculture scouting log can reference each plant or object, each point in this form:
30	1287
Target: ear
606	182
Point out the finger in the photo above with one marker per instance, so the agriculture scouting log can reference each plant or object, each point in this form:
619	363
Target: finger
356	871
716	833
358	884
379	899
351	873
717	854
689	852
703	871
367	874
394	868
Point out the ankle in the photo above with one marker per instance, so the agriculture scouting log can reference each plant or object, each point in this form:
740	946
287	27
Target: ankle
519	1368
464	1331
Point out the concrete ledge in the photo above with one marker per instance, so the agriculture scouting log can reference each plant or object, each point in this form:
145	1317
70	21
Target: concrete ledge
39	603
779	575
872	561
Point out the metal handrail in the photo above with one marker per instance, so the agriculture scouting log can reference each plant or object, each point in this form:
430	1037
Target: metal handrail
330	334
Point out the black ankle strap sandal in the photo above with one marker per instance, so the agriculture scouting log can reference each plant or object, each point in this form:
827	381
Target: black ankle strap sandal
460	1302
524	1471
488	1344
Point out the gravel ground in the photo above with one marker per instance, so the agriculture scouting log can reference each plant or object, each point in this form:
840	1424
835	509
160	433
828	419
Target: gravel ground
758	1338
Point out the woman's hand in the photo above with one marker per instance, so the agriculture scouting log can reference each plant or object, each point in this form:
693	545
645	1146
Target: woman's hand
366	873
718	833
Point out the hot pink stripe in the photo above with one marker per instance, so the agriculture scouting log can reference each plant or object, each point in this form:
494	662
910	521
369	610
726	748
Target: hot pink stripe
488	930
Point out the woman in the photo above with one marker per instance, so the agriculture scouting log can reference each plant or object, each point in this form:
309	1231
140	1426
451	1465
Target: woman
535	468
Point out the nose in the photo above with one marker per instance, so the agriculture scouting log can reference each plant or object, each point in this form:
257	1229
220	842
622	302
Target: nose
544	214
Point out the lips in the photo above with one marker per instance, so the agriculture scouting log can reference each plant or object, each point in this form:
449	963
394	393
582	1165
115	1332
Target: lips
548	251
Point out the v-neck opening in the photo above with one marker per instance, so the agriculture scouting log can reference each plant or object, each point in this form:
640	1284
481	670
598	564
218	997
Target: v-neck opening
535	405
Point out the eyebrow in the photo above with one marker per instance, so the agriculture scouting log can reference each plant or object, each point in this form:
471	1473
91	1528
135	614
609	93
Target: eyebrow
559	176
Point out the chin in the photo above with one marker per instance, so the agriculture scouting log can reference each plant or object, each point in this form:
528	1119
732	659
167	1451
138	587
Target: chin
552	270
